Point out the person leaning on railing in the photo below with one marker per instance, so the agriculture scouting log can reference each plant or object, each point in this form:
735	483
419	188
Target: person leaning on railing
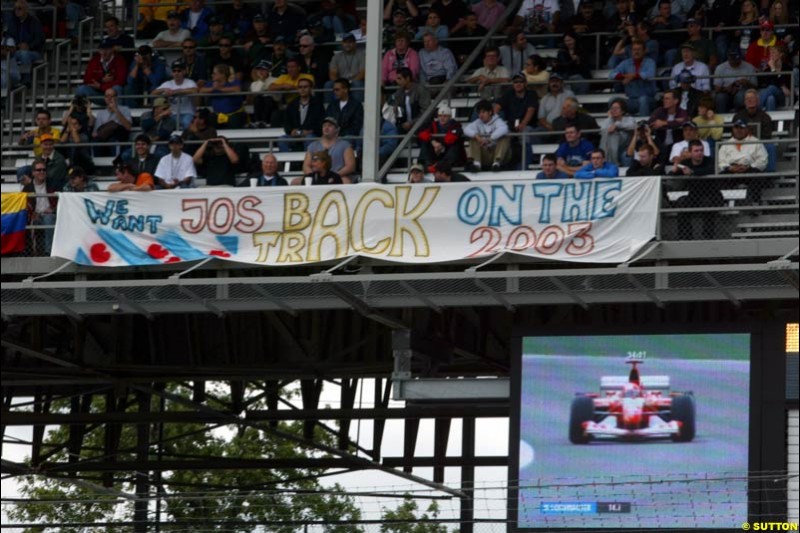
701	193
79	181
42	203
228	108
743	154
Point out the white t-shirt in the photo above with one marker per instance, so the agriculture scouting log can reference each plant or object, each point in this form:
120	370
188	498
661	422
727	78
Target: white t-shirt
183	104
679	147
170	37
171	169
541	10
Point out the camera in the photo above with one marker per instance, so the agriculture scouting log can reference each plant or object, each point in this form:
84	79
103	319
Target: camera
79	103
641	125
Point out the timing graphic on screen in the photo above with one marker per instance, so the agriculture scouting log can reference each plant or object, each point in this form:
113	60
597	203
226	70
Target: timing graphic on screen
635	431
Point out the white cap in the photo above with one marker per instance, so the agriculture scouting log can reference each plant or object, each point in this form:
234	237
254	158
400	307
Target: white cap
444	109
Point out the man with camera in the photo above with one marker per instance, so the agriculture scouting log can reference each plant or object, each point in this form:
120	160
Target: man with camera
642	136
217	160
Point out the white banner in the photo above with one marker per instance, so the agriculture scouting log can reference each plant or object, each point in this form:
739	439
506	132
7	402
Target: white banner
592	221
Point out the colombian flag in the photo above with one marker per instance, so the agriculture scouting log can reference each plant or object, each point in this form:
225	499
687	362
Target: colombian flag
15	216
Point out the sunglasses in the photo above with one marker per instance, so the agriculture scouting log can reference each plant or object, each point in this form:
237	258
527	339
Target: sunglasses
225	45
189	47
40	170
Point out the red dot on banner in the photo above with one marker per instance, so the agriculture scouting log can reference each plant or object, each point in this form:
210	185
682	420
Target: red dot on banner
173	259
99	253
219	253
156	251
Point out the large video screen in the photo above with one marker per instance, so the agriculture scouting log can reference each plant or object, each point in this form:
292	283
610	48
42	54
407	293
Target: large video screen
634	431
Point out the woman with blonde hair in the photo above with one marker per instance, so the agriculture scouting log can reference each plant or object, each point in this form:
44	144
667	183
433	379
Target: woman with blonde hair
228	107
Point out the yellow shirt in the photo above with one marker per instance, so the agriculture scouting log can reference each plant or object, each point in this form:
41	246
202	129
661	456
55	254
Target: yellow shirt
705	132
285	79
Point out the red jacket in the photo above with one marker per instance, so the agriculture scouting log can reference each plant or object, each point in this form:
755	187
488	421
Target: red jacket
95	72
758	52
453	136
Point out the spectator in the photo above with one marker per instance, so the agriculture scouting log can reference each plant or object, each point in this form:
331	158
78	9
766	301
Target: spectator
343	158
636	74
128	180
333	21
642	136
720	15
174	35
411	100
666	120
416	174
702	193
279	57
142	160
303	118
408	5
195	19
264	105
54	162
572	65
758	51
450	11
257	40
779	15
586	21
550	169
388	140
733	78
226	55
437	64
680	150
152	17
200	129
488	140
574	152
616	131
112	124
514	54
176	169
240	17
434	26
216	32
228	108
551	104
123	43
269	176
217	161
312	61
401	56
748	17
775	89
349	113
285	20
463	39
690	64
350	65
79	154
105	71
159	123
443	140
401	23
196	66
489	12
321	173
538	16
44	126
598	167
11	76
145	75
491	75
687	95
178	90
518	107
646	164
624	47
704	49
443	173
573	113
41	207
709	124
287	83
360	33
744	154
760	124
27	34
79	181
537	75
662	22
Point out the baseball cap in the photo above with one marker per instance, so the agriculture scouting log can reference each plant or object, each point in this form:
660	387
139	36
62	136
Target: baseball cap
178	63
689	124
75	171
331	120
348	37
264	64
741	123
215	19
106	43
145	50
279	39
173	15
519	76
417	167
686	77
400	11
688	45
555	76
734	52
46	137
767	25
692	21
258	17
160	102
175	139
444	109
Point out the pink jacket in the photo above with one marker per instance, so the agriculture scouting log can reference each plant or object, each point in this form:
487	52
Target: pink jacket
390	65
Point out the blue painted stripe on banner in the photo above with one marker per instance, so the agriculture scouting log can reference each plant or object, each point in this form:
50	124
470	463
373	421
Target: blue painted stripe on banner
176	244
229	242
13	222
81	258
128	251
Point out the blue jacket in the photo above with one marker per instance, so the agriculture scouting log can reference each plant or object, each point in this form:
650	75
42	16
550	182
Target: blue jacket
609	170
201	28
28	31
644	84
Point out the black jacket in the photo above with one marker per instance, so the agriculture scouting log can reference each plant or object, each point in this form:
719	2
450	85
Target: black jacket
350	117
149	164
316	112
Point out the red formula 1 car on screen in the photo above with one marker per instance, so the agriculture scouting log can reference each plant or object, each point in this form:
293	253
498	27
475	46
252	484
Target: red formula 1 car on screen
632	408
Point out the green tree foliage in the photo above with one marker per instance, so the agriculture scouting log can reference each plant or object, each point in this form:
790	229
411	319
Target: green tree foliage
404	519
206	498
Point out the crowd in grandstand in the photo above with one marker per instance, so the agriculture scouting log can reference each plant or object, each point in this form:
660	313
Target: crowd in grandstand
199	70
